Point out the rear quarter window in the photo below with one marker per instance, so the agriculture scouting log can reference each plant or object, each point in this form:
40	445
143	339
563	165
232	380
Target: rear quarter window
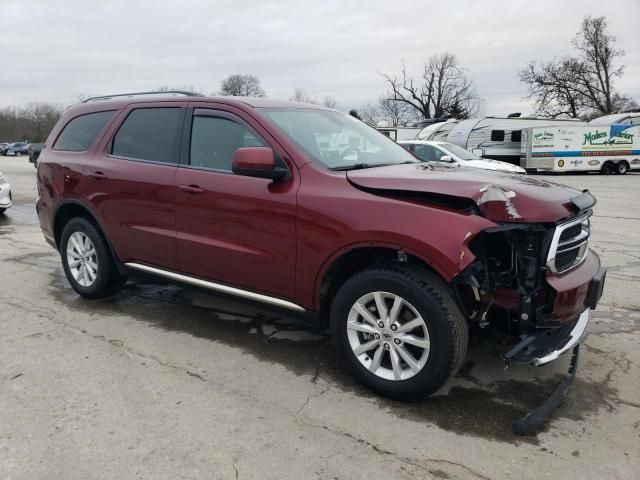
81	132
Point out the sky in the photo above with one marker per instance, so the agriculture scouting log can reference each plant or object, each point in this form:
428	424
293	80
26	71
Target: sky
57	50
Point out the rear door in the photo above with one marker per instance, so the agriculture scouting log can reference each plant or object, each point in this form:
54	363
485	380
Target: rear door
233	229
130	181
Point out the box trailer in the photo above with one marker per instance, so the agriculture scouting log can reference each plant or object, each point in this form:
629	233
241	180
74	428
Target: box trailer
604	148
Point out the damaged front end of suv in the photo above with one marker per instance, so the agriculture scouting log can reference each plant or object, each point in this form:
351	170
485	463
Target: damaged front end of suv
534	281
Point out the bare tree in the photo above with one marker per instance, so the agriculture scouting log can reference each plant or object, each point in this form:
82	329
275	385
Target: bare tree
32	122
300	95
444	87
242	85
394	112
370	113
580	85
182	88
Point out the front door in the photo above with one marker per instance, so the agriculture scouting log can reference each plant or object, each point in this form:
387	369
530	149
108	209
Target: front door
233	229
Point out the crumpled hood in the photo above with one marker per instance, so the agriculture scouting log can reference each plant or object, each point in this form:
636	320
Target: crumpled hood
500	197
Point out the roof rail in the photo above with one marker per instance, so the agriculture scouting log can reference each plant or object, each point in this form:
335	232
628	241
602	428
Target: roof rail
135	94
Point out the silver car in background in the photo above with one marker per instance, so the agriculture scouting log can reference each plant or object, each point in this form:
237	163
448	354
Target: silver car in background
445	152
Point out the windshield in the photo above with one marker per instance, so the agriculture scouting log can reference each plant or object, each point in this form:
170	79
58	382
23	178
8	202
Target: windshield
337	141
459	152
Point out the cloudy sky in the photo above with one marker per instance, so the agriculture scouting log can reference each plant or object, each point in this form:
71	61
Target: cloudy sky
56	50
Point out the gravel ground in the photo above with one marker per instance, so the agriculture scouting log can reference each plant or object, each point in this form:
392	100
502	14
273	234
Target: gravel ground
168	382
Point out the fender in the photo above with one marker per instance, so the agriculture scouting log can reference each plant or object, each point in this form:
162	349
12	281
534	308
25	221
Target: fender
441	264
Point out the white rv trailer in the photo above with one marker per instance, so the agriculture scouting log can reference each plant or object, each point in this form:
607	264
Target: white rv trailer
611	148
626	118
399	133
437	132
498	138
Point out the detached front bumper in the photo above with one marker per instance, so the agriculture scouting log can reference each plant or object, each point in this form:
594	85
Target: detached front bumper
546	345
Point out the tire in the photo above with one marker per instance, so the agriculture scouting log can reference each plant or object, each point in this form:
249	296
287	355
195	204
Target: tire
18	154
607	168
622	168
106	280
423	293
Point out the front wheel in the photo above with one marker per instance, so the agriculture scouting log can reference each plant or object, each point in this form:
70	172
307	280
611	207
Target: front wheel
399	331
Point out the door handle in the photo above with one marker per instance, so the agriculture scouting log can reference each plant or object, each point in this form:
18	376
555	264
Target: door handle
97	175
191	188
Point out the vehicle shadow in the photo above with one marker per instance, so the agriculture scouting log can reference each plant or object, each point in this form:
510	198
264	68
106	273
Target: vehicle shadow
481	400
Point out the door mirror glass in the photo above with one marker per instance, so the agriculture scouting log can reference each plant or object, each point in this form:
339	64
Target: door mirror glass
257	162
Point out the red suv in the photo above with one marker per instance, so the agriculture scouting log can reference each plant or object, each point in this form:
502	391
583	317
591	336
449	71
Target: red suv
305	208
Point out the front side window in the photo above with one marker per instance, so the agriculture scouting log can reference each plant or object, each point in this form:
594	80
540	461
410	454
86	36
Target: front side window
148	134
337	141
516	136
428	153
214	140
81	132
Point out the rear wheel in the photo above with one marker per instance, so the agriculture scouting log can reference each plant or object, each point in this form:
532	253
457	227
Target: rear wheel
87	260
399	331
622	168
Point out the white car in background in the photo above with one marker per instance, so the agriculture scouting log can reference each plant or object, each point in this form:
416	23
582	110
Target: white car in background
5	194
429	151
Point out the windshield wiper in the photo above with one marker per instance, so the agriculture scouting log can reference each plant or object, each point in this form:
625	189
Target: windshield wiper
355	166
360	166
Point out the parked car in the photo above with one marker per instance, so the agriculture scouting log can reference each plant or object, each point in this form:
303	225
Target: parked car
5	194
16	149
399	258
3	148
429	151
34	150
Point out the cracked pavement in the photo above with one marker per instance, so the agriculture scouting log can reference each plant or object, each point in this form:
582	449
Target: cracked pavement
168	382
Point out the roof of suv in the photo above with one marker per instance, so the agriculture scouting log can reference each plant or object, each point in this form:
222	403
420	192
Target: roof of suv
118	102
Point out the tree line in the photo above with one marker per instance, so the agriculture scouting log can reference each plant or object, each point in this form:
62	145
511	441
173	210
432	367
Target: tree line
32	122
578	85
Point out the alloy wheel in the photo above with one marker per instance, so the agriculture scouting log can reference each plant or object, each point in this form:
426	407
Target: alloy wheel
388	336
82	259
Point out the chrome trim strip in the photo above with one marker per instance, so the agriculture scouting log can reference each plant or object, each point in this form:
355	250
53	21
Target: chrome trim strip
575	336
216	286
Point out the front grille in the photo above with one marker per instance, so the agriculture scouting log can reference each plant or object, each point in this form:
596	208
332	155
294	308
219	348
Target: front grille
569	245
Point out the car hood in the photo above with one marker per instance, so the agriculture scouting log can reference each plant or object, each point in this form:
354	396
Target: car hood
500	197
495	165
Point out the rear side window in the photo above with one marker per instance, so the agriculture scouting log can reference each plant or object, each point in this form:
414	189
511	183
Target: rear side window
497	135
149	134
81	132
214	140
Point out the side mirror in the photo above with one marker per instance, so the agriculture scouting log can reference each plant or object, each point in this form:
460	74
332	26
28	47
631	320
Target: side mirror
446	158
257	162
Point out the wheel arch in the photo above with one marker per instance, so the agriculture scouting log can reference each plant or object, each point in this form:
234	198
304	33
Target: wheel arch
72	208
355	258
